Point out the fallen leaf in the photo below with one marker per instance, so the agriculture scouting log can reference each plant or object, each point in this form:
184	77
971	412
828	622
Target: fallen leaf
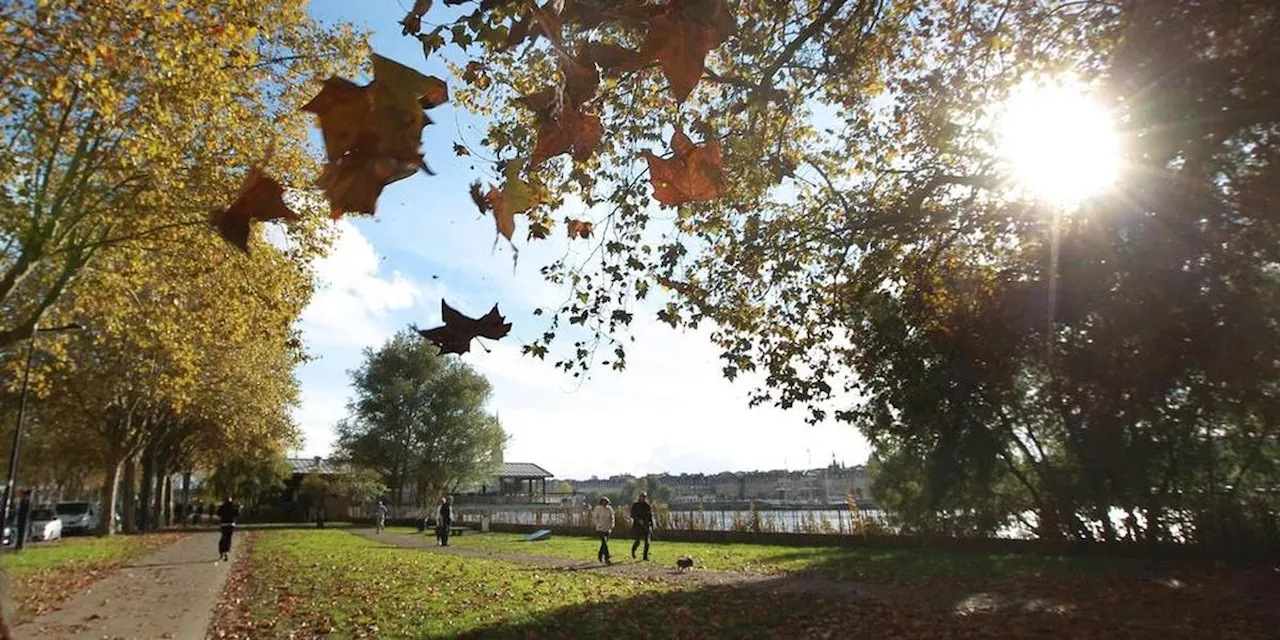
692	173
580	229
260	198
458	330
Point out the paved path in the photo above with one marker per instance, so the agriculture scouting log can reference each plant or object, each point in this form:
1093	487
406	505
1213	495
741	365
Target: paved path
778	582
170	593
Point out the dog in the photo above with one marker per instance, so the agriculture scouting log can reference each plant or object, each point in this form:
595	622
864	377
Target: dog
684	563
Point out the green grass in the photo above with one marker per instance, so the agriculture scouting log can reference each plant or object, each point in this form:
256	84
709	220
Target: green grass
42	575
336	584
845	563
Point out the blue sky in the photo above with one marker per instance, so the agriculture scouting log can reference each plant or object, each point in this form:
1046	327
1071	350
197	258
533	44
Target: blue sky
669	411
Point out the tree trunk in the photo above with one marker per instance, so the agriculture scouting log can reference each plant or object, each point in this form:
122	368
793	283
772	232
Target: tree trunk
111	484
186	495
145	496
157	484
168	499
130	483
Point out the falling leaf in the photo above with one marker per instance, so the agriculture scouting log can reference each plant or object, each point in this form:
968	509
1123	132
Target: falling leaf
679	37
458	330
478	197
568	131
580	229
692	173
260	198
516	196
460	150
373	134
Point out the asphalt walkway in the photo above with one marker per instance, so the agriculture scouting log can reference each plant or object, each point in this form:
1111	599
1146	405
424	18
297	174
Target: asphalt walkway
170	593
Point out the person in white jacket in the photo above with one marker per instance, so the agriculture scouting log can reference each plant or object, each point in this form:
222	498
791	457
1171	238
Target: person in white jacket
602	519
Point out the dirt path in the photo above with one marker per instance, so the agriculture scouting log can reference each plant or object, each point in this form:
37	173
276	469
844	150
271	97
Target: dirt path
774	583
170	593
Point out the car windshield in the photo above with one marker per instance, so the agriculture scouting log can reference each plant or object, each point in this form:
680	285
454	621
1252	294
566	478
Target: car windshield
73	508
42	514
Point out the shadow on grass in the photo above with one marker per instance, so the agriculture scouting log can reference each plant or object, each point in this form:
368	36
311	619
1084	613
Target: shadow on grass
771	609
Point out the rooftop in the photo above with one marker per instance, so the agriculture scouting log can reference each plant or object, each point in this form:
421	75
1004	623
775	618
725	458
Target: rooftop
316	465
523	470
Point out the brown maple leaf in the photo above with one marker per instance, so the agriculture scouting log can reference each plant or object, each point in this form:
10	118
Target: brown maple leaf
580	229
569	131
373	134
694	172
680	35
478	197
260	198
458	330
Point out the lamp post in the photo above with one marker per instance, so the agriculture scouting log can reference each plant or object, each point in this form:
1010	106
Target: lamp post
17	431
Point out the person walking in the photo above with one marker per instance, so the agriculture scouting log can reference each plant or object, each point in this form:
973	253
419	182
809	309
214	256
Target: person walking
380	513
641	524
444	521
602	519
227	515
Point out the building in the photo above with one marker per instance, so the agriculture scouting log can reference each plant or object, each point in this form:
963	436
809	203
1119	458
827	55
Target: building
515	483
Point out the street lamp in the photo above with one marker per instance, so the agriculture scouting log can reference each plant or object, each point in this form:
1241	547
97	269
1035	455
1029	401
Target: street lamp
17	431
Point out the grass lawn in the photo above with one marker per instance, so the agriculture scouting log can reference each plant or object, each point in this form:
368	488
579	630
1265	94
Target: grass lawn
844	563
42	575
336	584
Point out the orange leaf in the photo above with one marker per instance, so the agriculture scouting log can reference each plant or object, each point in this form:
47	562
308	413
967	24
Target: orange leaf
692	173
679	37
260	198
580	229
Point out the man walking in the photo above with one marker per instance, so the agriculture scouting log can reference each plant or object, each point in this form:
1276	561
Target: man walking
227	515
380	513
445	522
602	518
641	524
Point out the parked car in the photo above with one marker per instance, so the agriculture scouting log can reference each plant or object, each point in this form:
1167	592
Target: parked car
44	524
78	517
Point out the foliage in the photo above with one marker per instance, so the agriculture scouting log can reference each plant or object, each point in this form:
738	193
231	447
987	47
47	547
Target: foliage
106	117
871	257
248	479
419	419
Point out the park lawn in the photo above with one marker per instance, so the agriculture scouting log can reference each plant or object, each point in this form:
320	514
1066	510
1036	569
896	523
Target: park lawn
324	583
841	563
42	575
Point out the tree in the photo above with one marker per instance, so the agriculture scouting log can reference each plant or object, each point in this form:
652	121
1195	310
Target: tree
107	114
868	252
419	419
249	479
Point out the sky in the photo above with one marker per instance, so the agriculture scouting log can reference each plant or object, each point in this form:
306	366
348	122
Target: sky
669	411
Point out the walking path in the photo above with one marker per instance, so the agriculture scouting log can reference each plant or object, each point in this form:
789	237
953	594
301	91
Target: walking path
170	593
779	582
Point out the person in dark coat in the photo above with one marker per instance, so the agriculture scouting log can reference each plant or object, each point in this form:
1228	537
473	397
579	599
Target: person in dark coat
227	515
641	523
445	521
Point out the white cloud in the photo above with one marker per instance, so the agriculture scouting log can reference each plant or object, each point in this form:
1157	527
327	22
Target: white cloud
355	297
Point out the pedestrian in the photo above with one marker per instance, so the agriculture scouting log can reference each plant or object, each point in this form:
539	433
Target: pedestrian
602	518
227	515
380	514
641	524
444	522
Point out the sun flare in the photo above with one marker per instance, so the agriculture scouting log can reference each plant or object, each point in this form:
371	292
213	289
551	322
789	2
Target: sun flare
1060	145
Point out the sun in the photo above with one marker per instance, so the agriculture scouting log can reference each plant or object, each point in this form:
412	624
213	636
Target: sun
1060	144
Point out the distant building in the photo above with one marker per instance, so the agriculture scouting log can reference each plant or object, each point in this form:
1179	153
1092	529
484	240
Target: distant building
515	483
822	486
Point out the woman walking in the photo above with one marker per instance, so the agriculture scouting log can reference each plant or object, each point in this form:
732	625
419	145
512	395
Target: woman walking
602	518
227	515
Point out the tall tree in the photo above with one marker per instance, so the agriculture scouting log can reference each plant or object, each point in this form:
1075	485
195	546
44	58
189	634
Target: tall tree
113	115
855	233
419	418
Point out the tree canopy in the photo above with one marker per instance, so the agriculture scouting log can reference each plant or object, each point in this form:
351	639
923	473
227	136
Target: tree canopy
420	419
821	183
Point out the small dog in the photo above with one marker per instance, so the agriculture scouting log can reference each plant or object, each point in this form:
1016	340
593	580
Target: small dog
684	563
